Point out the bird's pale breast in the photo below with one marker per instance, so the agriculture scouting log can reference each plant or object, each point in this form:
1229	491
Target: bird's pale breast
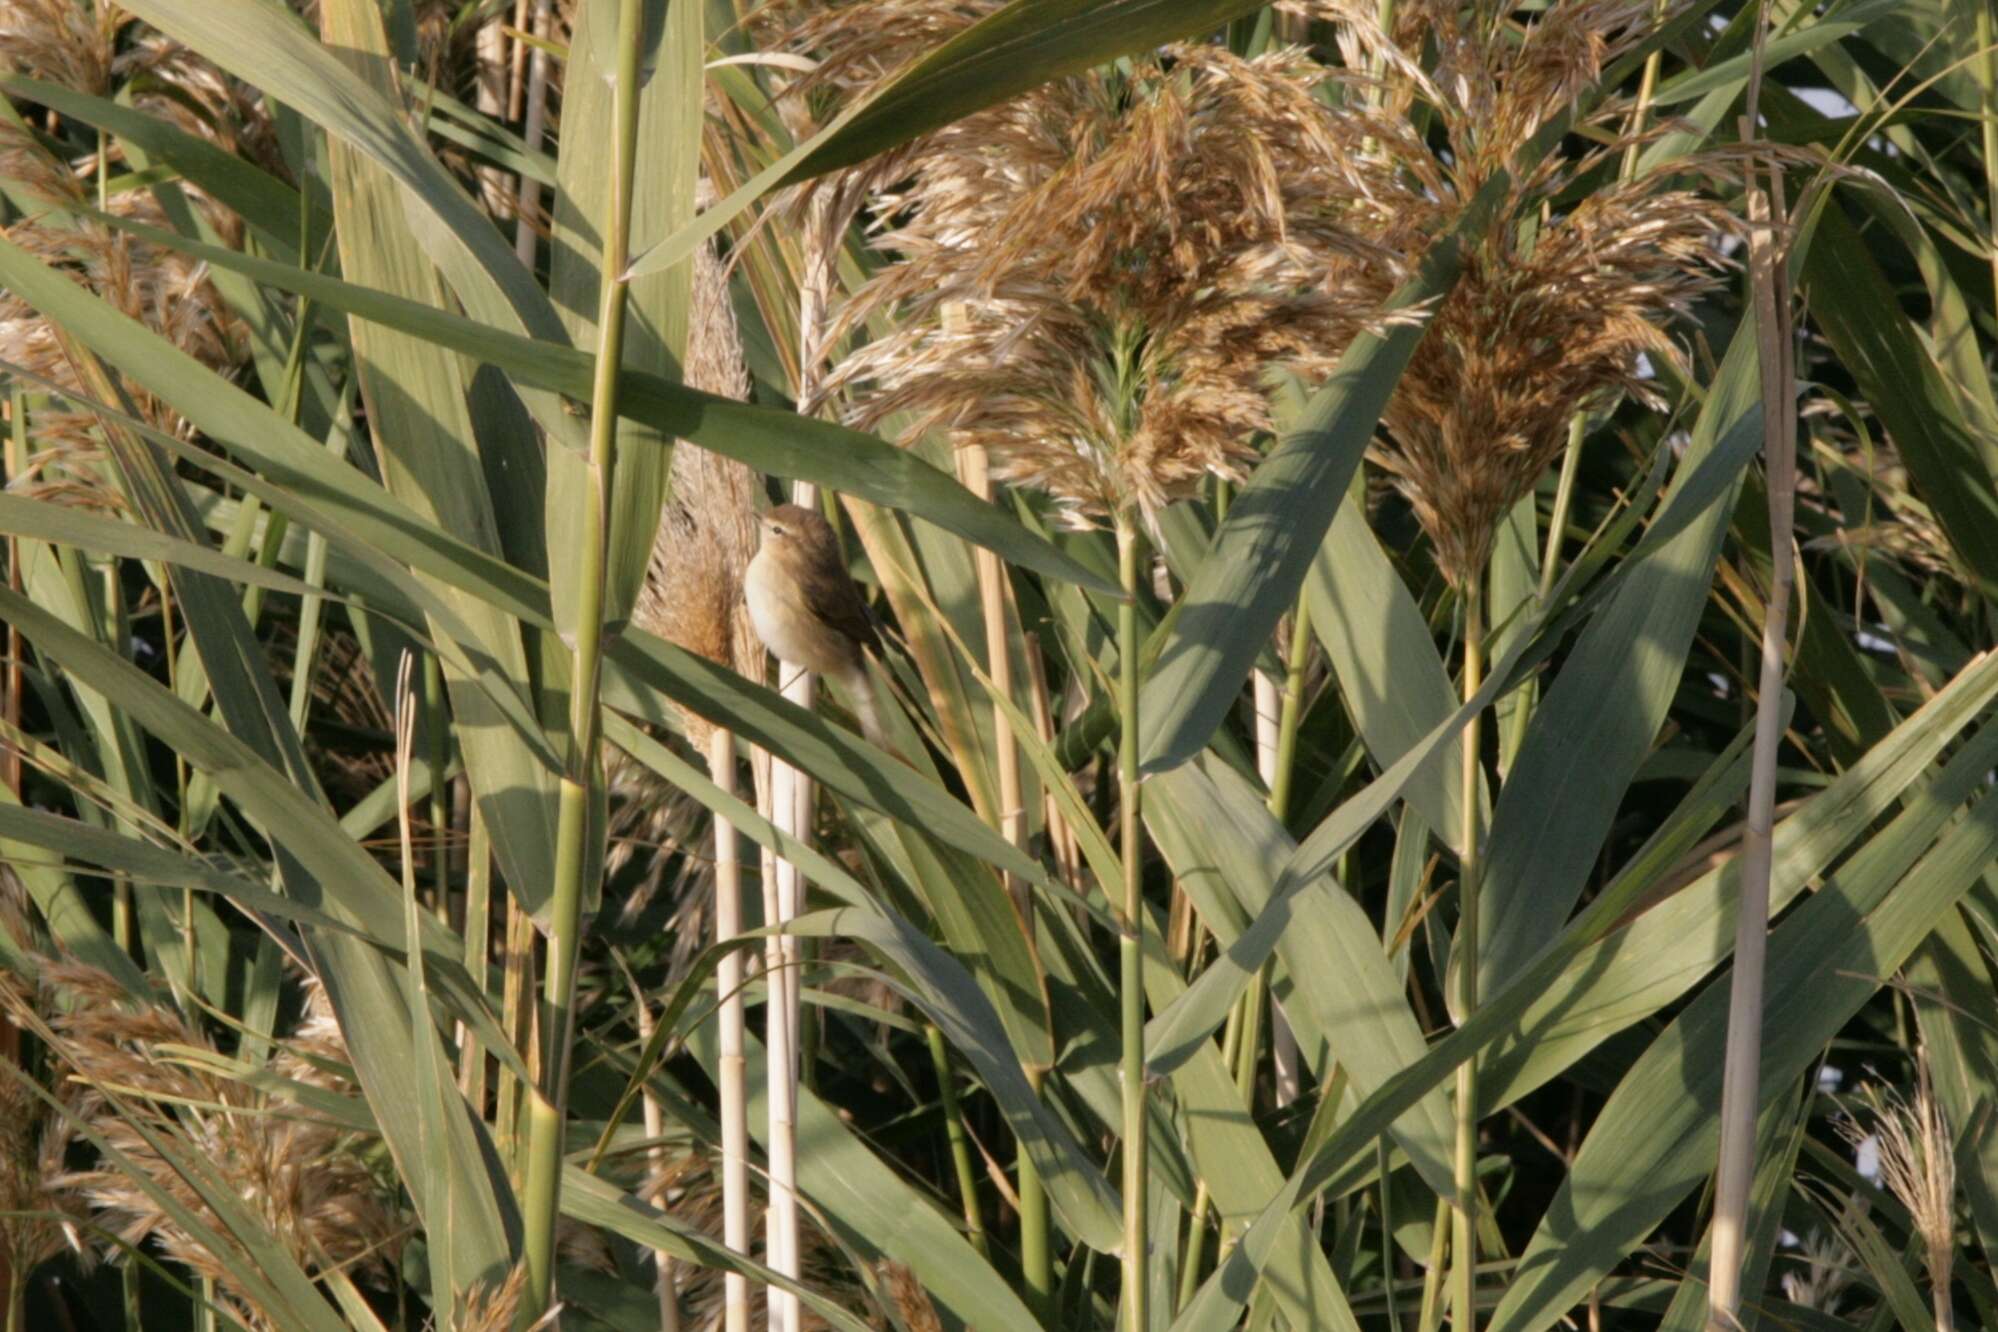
786	626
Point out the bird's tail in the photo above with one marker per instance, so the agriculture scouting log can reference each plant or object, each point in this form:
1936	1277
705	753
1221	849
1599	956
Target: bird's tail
859	689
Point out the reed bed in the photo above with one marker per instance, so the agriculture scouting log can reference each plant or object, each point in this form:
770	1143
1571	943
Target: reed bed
1434	572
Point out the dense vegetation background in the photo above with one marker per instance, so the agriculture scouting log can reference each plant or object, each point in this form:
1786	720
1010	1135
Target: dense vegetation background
1393	522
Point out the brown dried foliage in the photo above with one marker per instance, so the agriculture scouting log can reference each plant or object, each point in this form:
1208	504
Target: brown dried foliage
39	1216
1558	303
687	1184
311	1183
98	49
1125	256
1094	279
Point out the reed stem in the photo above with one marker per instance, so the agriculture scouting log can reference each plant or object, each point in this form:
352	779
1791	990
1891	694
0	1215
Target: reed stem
960	1144
1464	1217
1036	1257
732	1076
583	773
790	798
1036	1233
1742	1059
1130	954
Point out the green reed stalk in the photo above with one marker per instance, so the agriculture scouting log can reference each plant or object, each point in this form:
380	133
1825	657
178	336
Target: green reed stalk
548	1108
1987	95
1036	1234
1129	947
960	1145
1464	1216
1242	1037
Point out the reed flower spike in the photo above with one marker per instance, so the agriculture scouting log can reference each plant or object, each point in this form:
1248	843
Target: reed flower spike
1918	1166
1558	306
1123	256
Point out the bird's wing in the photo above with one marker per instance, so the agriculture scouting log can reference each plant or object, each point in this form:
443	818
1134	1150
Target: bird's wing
838	602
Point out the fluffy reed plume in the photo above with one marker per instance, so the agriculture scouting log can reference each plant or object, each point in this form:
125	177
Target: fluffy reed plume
1126	254
165	291
60	41
1826	1272
492	1306
309	1183
707	531
912	1302
1558	303
39	1218
688	1184
1918	1166
96	48
693	584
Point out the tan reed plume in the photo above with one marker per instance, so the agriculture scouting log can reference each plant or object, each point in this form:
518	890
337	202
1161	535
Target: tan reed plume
1132	251
313	1185
707	532
1557	307
1917	1166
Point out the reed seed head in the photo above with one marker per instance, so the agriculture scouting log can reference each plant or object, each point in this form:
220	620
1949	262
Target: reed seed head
1559	305
1917	1164
313	1186
1094	279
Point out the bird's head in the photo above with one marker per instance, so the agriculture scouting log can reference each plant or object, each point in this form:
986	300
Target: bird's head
795	532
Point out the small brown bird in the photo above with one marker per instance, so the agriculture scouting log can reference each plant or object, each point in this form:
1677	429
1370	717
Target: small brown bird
806	608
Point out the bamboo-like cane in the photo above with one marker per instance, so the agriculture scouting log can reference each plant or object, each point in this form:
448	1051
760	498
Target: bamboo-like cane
583	771
1130	948
1036	1257
491	99
733	1076
13	1279
663	1285
527	200
791	802
1741	1075
693	597
1464	1213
